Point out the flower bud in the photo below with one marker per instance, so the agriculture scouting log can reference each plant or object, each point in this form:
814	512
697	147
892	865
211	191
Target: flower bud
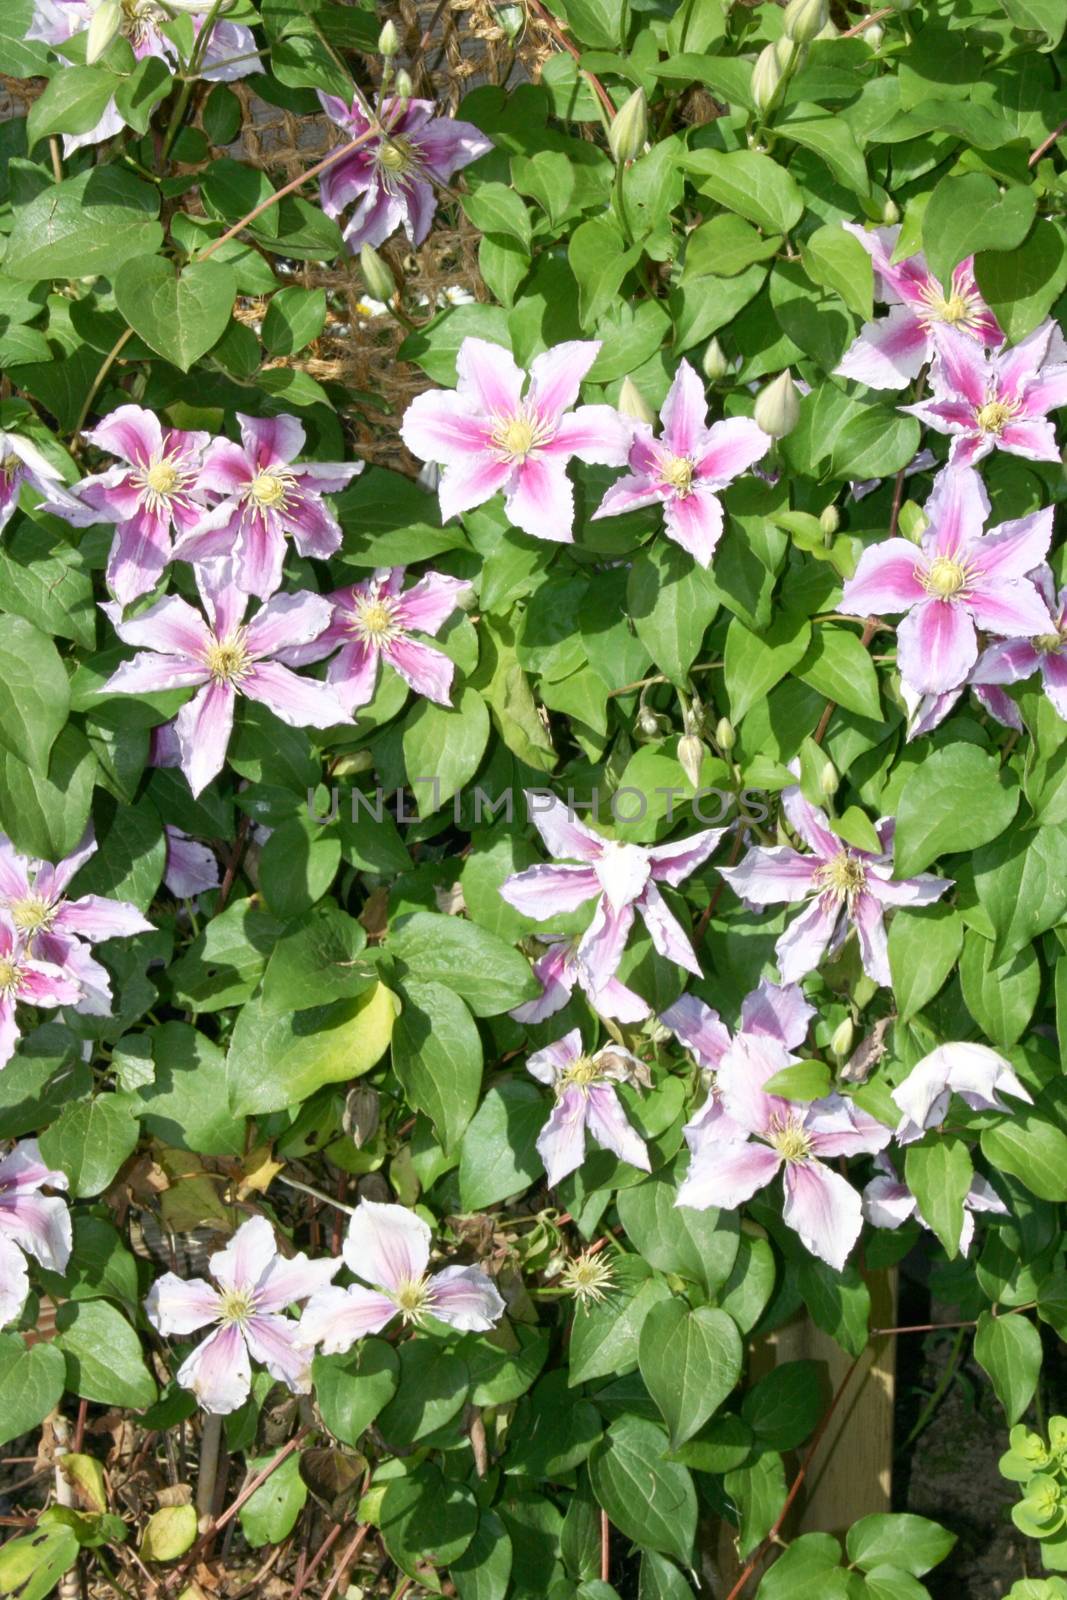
376	274
725	736
629	129
804	19
715	364
841	1043
104	27
912	522
361	1114
632	402
828	780
388	40
691	755
777	408
403	85
766	78
829	520
890	212
350	765
786	52
873	36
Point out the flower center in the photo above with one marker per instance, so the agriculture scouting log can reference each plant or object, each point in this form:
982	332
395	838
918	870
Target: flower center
397	155
1049	644
10	978
227	659
410	1298
790	1139
237	1305
944	577
678	472
959	309
518	436
9	466
587	1277
162	477
31	914
844	876
582	1071
374	620
269	489
994	414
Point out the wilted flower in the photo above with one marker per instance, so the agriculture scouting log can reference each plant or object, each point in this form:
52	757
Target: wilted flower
588	1277
687	467
957	579
255	1285
388	1247
975	1072
586	1100
225	657
889	1203
391	177
31	1223
25	980
488	436
268	494
843	886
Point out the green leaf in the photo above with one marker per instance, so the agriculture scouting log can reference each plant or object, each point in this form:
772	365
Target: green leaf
437	1055
804	1081
496	208
72	102
1001	999
600	23
968	213
939	1176
749	183
90	1140
426	1517
600	259
269	1515
838	666
839	1302
223	965
100	1266
31	1384
810	1569
924	947
914	1544
755	662
1008	1349
955	800
484	971
1038	16
443	748
831	138
294	318
276	1060
104	1361
672	602
432	1389
605	1334
186	1105
179	315
1022	285
690	1361
88	224
45	814
660	1579
169	1533
835	259
350	1390
31	1567
726	245
137	96
320	956
698	1245
1020	883
498	1158
483	1571
784	1408
651	1501
1032	1149
298	864
34	693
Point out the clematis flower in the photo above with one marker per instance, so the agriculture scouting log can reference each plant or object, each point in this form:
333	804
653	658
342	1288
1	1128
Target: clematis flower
843	886
1013	660
959	579
267	495
22	462
139	22
889	1203
1001	402
61	931
191	867
586	1102
686	467
255	1285
770	1011
26	980
821	1207
373	622
225	657
892	350
488	436
388	1247
391	178
31	1223
624	880
973	1071
558	970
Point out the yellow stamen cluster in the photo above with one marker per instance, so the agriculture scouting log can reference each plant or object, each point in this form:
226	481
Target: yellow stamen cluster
237	1305
270	490
944	577
678	471
397	155
582	1071
518	436
374	620
227	659
959	310
845	876
588	1277
10	977
31	914
1049	644
995	414
790	1139
411	1299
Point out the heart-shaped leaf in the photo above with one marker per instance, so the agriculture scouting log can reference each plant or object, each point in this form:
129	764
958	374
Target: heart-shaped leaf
180	315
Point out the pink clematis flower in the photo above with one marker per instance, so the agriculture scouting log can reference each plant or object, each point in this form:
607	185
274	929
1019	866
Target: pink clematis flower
686	467
975	1072
191	867
31	1223
959	579
155	491
388	1247
889	1203
770	1011
267	495
844	887
997	402
391	178
821	1207
22	462
374	622
586	1101
488	436
225	657
559	969
1013	660
26	980
892	350
623	878
230	51
255	1285
62	931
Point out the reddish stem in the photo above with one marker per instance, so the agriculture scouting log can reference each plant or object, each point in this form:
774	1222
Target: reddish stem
572	50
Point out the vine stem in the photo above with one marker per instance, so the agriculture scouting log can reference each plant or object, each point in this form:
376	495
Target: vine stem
867	22
349	1555
605	1547
1046	144
572	50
